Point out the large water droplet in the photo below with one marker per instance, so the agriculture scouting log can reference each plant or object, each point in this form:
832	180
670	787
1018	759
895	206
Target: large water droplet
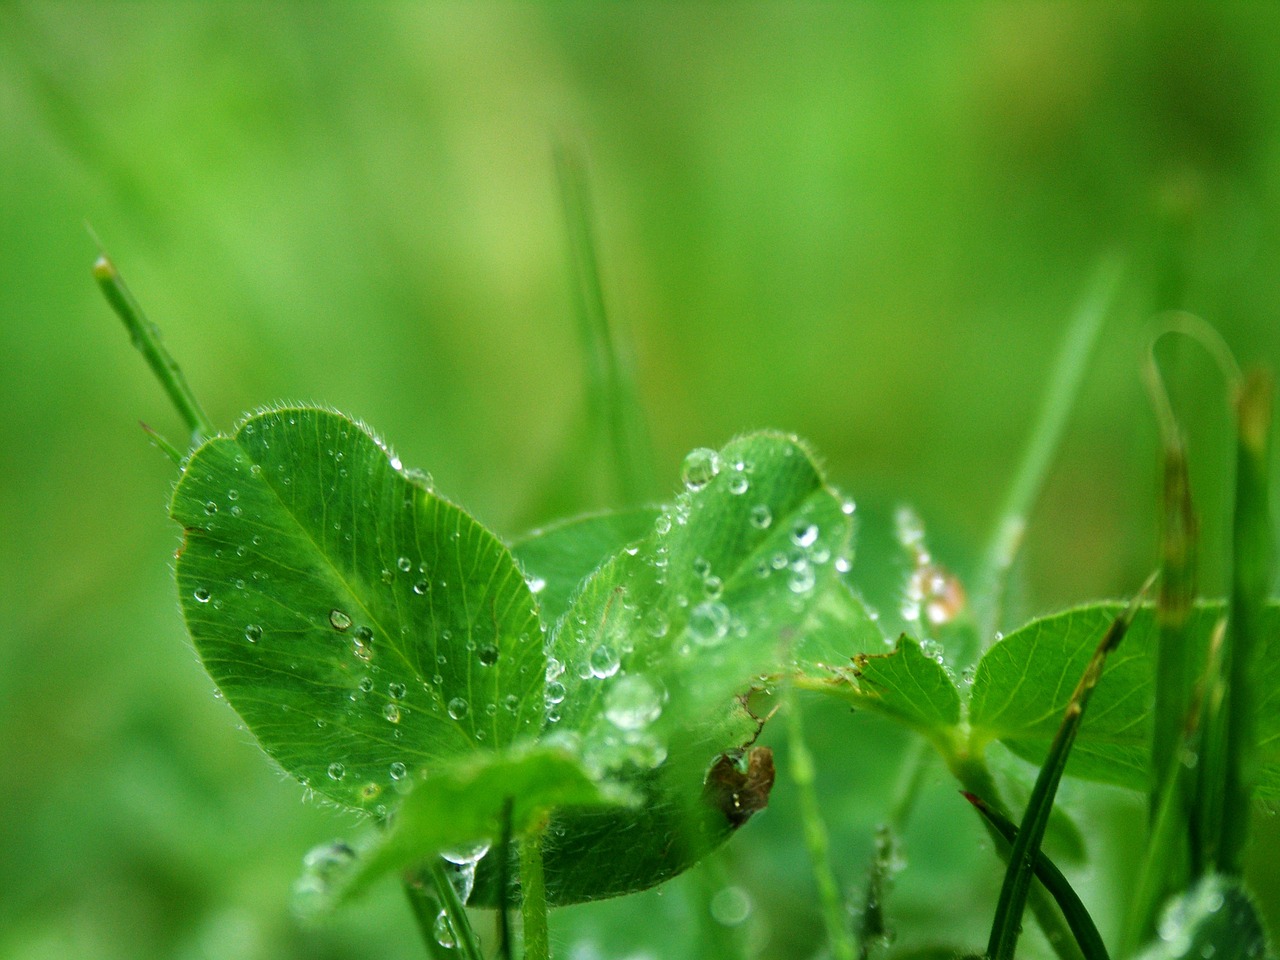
420	587
339	620
201	594
604	661
405	564
555	692
467	853
709	623
739	484
211	508
458	708
802	579
761	516
397	690
488	655
804	534
391	712
442	930
337	771
397	770
699	468
632	703
253	633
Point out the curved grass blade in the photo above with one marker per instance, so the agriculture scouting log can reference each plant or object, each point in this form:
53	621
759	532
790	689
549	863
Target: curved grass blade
1007	925
364	628
1077	916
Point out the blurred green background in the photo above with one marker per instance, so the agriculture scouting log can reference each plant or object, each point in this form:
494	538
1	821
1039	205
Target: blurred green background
866	224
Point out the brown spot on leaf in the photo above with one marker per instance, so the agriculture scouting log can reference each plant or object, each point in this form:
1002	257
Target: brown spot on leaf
739	782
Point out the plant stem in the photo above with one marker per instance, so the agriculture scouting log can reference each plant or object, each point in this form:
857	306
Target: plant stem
1059	398
815	835
533	898
456	913
146	338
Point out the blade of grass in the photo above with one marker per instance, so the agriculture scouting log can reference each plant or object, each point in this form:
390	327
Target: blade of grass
1077	916
612	399
1050	424
815	833
1007	924
464	936
504	884
1252	566
425	910
146	338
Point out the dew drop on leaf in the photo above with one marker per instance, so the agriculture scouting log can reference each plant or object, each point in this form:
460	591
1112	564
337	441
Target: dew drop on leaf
337	771
443	932
339	620
709	623
739	484
699	468
804	534
211	508
420	587
253	633
488	655
201	594
397	690
366	684
604	661
802	579
405	564
656	623
398	770
391	712
458	708
632	703
555	692
761	516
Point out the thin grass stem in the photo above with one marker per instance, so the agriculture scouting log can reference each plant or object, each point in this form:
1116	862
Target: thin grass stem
146	338
816	839
459	923
1046	435
425	910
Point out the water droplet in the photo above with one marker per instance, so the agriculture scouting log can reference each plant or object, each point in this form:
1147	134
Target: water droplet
848	507
488	655
536	584
709	623
730	906
656	623
201	594
339	620
662	525
392	712
554	668
405	564
398	770
739	484
420	587
470	853
632	703
713	587
387	576
396	690
843	565
233	494
802	579
604	661
366	684
761	516
555	691
804	534
253	633
701	567
256	469
699	468
337	771
458	708
442	930
211	508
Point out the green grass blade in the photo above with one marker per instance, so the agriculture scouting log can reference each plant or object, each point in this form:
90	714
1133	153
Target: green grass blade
459	923
1077	916
426	908
1252	571
1007	925
816	838
612	398
1050	424
146	338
